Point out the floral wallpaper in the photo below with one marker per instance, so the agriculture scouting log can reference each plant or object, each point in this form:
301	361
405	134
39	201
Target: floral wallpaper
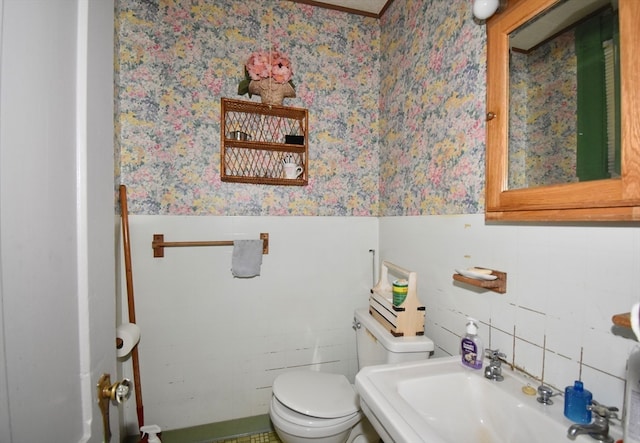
177	58
432	109
396	106
543	126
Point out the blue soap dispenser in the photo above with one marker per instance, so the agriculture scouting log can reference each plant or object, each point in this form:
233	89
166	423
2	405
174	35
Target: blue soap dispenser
471	346
576	400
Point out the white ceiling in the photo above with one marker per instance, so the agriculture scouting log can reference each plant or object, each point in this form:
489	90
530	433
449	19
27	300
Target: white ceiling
365	7
559	18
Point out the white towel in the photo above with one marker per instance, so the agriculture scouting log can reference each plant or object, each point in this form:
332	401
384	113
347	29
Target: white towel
246	258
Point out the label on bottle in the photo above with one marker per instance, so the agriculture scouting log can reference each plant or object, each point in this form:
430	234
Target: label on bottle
470	355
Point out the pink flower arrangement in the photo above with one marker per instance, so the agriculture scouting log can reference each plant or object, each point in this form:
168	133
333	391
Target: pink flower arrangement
266	64
274	64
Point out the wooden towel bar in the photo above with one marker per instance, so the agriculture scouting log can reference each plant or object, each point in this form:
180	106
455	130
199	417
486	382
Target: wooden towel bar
158	244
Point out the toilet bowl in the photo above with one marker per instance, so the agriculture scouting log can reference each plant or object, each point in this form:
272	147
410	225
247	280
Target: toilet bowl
293	427
319	407
314	406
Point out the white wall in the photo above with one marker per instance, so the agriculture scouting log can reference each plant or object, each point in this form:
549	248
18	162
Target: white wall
211	345
57	241
39	274
563	285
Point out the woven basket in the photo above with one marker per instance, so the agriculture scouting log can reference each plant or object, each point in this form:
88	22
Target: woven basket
270	92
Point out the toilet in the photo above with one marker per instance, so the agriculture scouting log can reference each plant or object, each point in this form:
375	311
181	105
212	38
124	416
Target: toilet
319	407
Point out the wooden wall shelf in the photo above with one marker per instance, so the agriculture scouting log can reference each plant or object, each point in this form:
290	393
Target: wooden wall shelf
626	320
622	320
498	285
253	142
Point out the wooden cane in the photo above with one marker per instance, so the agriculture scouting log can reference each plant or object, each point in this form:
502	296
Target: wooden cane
131	302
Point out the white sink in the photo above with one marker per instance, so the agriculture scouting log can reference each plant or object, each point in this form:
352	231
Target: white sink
442	401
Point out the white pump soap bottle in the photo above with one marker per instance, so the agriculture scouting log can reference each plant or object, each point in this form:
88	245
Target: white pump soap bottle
152	431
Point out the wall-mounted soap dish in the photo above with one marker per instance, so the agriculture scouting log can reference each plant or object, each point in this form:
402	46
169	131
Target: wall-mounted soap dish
499	284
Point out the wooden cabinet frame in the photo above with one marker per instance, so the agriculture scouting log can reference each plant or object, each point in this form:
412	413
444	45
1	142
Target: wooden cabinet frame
598	200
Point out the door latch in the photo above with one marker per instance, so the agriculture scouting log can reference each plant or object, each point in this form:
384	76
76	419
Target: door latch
107	392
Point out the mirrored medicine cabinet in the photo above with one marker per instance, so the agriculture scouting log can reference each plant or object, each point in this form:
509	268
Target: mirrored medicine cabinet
563	111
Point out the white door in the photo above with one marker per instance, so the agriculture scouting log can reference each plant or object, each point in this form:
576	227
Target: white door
57	278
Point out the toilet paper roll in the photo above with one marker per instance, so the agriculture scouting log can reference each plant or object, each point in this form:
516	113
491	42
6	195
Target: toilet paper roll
129	333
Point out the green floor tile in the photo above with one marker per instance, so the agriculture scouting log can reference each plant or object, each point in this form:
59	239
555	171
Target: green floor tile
256	429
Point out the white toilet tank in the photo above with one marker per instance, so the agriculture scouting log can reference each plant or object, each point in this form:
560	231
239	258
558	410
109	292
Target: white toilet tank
378	346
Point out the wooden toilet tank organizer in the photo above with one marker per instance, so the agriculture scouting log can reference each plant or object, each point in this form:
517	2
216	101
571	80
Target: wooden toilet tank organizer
405	320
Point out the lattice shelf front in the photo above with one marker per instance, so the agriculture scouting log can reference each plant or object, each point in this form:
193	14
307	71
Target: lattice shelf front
256	140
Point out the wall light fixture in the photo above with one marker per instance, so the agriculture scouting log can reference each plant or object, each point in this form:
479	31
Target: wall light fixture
483	9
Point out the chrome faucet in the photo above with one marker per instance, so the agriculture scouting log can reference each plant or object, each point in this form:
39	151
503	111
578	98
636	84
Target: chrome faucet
494	370
599	429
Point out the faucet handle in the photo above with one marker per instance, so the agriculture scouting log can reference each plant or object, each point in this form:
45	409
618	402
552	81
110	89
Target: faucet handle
494	354
603	411
545	393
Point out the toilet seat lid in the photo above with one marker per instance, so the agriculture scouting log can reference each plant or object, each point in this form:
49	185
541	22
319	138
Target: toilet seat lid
318	394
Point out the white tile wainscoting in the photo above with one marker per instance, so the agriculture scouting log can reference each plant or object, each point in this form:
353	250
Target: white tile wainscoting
211	344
